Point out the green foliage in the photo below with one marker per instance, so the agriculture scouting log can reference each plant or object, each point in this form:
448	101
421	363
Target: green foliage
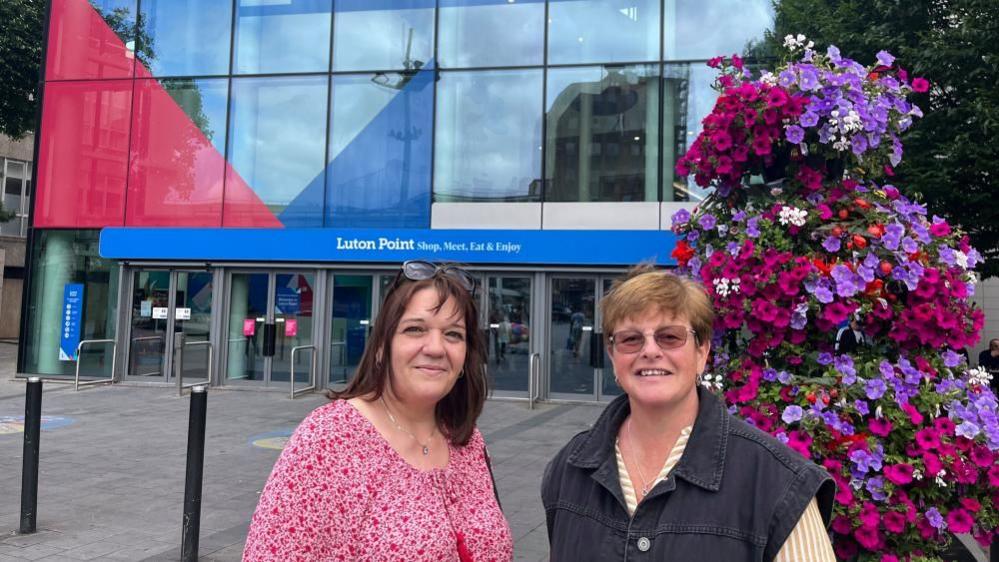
951	157
20	59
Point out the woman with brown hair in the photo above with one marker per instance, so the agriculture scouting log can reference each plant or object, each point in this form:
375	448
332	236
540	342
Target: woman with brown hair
394	468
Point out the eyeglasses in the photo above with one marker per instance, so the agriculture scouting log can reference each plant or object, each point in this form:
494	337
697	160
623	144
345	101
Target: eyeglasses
419	270
667	337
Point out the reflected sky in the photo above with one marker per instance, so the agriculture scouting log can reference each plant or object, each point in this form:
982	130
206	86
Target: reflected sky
291	36
277	134
591	31
204	102
189	37
701	29
488	136
476	34
367	38
700	99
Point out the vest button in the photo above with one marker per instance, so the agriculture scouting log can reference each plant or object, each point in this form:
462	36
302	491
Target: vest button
644	544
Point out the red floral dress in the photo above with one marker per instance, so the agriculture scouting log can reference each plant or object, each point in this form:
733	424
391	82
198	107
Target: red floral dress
340	492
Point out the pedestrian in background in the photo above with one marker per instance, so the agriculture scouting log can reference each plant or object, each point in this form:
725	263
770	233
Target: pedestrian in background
666	473
394	468
988	360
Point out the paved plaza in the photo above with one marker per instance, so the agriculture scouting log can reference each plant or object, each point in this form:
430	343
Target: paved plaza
111	478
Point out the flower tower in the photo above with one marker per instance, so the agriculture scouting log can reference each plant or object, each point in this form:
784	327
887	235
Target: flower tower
803	234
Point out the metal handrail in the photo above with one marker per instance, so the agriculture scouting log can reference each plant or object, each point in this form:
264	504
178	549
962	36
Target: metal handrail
114	360
312	370
180	368
533	379
342	345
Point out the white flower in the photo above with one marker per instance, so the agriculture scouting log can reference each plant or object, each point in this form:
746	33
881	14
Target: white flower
768	78
878	413
711	381
793	216
917	474
725	286
961	258
978	376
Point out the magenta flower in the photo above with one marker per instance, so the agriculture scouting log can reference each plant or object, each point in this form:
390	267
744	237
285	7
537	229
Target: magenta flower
879	426
959	521
899	474
920	85
894	522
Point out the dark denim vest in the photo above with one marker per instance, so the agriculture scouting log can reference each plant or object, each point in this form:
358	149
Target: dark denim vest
735	495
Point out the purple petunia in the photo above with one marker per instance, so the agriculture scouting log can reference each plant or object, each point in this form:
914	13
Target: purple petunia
875	388
848	283
809	119
809	79
844	364
681	217
831	244
968	429
753	227
794	134
784	377
707	221
792	414
885	58
935	519
951	359
892	236
824	358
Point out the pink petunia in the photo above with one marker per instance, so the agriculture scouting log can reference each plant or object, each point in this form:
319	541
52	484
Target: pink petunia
879	426
959	520
971	504
982	456
933	464
869	516
889	558
920	85
994	476
899	474
894	521
928	438
869	538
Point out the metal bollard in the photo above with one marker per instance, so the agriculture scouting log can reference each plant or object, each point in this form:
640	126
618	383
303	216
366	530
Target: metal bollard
195	471
994	550
29	468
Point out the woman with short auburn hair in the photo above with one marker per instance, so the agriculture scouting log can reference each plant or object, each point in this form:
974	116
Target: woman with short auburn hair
666	472
394	468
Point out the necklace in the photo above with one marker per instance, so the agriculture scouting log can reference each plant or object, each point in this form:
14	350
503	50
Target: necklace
425	445
634	459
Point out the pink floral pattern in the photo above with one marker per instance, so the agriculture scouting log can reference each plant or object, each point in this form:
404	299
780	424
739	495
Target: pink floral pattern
340	492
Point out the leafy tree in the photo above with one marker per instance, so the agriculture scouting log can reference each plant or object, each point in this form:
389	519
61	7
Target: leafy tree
20	59
951	158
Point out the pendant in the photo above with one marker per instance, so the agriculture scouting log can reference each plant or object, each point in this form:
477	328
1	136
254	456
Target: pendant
426	450
645	490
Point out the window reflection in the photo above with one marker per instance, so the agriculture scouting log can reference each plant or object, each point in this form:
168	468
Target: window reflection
176	165
471	30
687	100
488	136
186	37
368	38
592	31
701	29
603	134
277	136
287	36
391	115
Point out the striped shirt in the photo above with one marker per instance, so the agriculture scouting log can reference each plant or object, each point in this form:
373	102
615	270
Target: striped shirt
808	541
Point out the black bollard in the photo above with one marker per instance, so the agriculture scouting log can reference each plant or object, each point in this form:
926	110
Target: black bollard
195	471
29	468
994	550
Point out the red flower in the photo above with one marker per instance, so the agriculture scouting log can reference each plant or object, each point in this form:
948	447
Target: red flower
682	253
894	521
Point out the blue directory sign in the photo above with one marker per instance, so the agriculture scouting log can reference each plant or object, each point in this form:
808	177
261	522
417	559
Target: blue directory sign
72	313
552	247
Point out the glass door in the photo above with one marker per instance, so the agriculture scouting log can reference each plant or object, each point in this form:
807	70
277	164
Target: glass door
578	364
508	313
269	315
170	324
353	300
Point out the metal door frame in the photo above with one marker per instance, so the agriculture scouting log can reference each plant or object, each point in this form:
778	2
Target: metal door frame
167	375
326	347
485	276
318	323
597	395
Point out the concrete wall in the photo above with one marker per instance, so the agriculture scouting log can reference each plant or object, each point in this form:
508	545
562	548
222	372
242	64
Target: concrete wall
12	248
987	297
20	149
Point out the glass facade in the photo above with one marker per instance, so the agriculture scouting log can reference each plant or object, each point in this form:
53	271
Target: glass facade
589	31
602	135
61	258
291	36
185	37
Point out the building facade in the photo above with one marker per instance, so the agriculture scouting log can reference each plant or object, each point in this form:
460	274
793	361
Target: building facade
15	176
226	187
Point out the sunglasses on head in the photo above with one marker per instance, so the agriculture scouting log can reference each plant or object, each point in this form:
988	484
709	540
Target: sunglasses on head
667	337
420	270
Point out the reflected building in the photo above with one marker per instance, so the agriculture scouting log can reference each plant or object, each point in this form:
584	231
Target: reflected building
225	188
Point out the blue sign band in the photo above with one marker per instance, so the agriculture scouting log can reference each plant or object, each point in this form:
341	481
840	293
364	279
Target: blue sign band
369	245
